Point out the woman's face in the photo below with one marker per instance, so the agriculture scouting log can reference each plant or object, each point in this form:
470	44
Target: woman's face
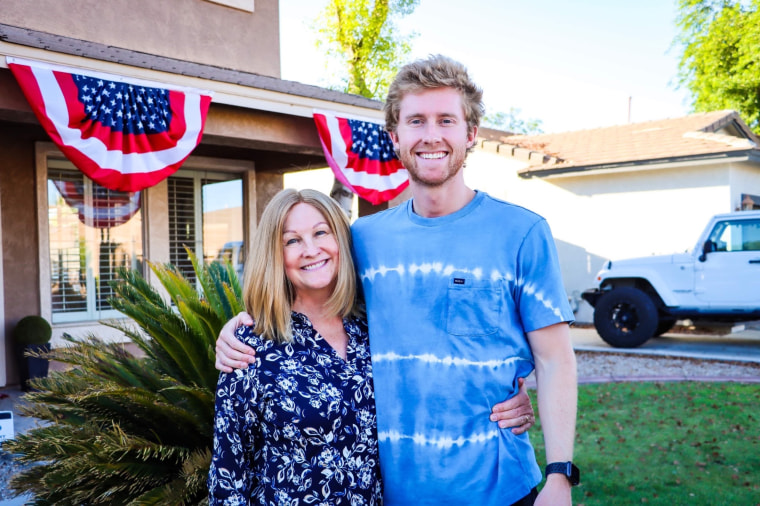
311	252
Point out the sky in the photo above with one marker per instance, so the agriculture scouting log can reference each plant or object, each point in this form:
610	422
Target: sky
573	65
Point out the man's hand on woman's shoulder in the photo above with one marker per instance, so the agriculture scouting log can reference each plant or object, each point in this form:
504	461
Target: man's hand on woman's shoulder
230	352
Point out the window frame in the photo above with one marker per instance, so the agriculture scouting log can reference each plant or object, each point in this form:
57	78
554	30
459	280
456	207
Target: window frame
198	177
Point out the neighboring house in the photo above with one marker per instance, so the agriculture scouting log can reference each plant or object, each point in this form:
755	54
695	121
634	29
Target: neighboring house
623	191
258	128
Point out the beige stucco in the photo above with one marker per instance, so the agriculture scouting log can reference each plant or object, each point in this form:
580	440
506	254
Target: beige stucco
19	237
190	30
261	130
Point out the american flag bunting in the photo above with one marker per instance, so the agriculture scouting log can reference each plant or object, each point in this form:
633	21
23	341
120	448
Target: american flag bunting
360	154
124	134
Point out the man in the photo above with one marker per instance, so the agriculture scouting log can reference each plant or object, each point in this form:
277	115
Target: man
463	297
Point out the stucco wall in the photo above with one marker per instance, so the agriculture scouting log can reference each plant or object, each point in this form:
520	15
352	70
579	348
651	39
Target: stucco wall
250	128
19	236
190	30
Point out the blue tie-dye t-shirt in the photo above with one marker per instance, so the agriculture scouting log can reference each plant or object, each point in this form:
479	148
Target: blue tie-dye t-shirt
449	301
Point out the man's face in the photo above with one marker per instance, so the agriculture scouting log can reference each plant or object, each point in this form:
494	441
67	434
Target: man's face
432	138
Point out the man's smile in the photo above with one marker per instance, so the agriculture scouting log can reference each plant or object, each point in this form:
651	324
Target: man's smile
433	156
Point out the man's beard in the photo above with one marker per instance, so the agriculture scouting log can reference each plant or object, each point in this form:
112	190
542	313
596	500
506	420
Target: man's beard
455	164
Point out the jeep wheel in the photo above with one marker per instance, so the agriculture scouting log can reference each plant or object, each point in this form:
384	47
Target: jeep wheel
625	317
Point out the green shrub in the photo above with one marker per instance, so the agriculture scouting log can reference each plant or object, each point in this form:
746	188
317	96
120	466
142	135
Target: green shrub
32	329
121	429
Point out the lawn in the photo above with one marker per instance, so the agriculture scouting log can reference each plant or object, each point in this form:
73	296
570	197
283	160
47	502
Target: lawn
672	443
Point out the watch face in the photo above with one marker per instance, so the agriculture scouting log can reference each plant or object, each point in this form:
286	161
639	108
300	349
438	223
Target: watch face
575	475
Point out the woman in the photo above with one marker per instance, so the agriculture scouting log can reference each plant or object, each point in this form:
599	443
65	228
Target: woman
298	425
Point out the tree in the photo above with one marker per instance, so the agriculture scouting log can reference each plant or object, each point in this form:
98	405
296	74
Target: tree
362	36
122	429
511	122
720	59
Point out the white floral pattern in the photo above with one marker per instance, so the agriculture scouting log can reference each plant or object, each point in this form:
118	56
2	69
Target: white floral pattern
298	426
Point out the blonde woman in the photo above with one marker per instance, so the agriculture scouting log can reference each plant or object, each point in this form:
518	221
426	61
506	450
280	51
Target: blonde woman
298	425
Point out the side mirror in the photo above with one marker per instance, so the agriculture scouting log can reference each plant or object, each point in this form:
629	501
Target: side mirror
707	247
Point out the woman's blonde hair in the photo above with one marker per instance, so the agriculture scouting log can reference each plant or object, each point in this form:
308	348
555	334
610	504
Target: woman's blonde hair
267	293
437	71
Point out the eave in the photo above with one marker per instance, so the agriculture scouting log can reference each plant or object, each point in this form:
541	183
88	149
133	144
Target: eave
628	166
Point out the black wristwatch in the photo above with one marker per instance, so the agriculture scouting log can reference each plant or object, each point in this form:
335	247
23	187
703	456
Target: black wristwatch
571	472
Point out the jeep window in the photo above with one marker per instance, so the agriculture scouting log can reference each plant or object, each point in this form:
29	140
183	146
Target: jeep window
736	235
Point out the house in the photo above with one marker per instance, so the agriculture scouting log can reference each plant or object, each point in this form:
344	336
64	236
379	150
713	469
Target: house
623	191
55	262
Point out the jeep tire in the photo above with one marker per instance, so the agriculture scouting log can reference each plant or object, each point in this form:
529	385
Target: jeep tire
625	317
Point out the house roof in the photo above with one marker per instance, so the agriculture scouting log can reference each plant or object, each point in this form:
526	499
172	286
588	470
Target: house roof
703	135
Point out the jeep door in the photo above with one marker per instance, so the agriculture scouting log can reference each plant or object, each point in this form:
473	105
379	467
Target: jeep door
729	276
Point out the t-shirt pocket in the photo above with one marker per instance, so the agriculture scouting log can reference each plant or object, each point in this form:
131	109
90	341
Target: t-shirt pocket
473	306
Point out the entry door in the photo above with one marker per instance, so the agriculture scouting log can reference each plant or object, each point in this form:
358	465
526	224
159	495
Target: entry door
729	278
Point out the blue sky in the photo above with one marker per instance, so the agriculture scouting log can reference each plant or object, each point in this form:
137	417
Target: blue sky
571	64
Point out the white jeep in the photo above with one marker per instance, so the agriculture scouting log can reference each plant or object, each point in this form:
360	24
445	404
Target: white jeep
719	281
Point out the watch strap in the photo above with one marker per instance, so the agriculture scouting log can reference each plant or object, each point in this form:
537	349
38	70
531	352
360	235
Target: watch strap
567	468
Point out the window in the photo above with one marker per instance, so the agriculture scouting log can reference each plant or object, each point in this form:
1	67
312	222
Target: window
92	232
205	217
749	202
737	235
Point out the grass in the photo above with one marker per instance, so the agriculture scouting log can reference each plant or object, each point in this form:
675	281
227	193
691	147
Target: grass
672	443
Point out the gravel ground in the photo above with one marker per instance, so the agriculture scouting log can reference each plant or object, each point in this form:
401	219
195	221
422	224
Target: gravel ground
592	367
614	366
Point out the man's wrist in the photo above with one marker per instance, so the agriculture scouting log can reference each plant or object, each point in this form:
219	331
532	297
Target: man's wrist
558	479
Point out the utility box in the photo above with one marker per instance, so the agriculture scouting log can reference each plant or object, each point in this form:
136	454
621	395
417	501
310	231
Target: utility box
6	426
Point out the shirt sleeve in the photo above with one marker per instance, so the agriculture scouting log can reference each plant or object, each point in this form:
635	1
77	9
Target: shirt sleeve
230	479
541	296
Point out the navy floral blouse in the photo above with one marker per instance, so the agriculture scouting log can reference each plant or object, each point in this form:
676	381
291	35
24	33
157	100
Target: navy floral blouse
298	426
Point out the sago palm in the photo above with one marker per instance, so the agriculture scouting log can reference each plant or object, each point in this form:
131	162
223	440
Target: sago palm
122	429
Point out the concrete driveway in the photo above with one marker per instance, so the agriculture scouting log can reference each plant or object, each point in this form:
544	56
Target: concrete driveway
742	345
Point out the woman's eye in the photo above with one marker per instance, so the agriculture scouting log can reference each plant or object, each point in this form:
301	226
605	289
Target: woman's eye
288	242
